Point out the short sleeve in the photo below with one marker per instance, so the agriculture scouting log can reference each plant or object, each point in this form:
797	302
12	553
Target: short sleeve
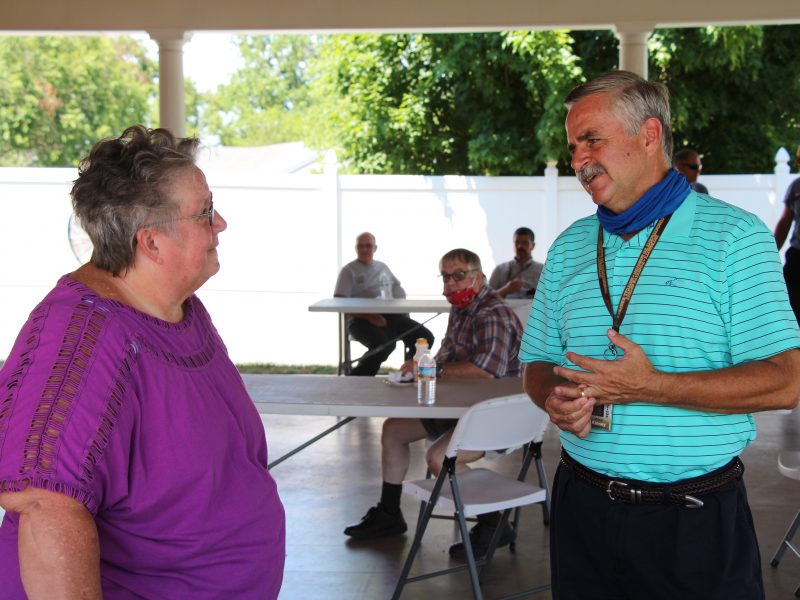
760	318
497	336
61	397
344	284
495	281
397	288
540	339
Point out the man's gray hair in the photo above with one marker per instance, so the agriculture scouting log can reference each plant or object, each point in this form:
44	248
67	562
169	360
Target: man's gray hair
468	257
634	101
121	187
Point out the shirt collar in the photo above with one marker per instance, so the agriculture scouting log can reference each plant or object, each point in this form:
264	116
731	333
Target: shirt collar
523	264
679	226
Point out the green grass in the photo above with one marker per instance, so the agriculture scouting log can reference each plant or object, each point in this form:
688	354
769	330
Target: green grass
257	368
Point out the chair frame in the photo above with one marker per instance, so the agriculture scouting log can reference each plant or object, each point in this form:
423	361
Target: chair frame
786	543
475	568
536	450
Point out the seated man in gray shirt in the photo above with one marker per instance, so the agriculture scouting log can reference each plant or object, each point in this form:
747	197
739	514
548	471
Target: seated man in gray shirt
361	279
518	277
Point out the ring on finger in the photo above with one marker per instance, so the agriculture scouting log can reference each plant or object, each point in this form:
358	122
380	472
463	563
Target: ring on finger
583	392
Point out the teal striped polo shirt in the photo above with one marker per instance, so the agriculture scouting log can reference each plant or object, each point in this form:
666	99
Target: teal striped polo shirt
712	295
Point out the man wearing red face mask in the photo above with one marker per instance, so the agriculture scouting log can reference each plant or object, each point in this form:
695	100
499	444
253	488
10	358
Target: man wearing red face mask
482	341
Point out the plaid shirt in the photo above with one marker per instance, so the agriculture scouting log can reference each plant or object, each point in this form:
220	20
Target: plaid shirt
487	333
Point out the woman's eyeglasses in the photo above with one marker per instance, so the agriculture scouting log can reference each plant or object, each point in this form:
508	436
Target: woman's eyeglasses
692	166
207	214
456	275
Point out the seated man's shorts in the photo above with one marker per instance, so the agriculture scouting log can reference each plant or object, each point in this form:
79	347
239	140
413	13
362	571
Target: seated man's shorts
438	427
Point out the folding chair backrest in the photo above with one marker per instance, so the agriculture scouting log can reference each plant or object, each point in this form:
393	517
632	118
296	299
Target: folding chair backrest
523	312
498	423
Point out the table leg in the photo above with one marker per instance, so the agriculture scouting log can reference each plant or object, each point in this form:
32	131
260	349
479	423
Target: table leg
345	363
279	460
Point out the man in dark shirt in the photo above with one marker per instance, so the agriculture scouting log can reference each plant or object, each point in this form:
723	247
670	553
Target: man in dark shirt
791	268
687	162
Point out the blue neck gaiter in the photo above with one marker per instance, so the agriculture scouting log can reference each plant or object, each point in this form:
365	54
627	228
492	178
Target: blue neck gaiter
659	201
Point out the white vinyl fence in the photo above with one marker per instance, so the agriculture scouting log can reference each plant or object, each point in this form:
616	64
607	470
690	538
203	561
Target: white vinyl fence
288	235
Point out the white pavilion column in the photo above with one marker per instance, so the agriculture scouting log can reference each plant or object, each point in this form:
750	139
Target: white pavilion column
633	46
172	107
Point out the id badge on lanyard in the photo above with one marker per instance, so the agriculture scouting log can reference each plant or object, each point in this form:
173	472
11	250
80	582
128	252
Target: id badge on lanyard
602	413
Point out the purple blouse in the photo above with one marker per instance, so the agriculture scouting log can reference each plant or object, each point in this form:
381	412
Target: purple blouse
149	425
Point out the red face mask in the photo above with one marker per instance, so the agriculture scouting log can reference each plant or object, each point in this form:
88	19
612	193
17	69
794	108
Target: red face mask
461	298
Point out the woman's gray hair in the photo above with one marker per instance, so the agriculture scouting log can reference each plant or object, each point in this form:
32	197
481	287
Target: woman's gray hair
121	186
635	100
468	257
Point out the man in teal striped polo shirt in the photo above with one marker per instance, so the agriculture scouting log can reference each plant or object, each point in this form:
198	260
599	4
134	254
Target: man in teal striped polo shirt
659	325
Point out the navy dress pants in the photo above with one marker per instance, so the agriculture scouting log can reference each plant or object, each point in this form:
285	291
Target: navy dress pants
606	550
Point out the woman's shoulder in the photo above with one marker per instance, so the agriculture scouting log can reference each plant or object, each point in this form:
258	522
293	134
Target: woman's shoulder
72	321
74	301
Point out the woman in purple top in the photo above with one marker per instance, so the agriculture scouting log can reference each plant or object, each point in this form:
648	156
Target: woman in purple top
132	461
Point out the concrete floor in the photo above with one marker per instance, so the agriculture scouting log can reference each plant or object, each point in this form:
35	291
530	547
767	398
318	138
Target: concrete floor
333	482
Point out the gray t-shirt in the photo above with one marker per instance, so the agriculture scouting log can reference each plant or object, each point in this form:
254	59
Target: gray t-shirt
357	280
529	273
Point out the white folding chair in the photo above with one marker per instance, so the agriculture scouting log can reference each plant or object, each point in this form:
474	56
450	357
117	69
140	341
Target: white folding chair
504	422
789	466
535	454
523	312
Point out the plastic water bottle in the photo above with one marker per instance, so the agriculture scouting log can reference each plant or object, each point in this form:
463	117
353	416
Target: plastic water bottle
426	381
386	286
422	347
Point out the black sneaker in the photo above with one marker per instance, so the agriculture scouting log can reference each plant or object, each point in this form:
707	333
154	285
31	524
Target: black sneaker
377	523
480	536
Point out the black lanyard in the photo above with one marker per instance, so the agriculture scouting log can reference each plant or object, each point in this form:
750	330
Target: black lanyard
627	293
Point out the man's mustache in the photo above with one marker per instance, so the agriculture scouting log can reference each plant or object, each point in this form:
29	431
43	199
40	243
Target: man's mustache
586	173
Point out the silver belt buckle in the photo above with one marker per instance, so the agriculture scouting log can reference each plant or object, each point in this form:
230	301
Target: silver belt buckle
635	494
610	488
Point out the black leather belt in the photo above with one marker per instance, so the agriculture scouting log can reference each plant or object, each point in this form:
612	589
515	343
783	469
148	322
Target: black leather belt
685	493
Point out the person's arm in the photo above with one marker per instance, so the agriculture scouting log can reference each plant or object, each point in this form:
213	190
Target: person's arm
767	384
453	369
397	288
59	551
497	344
496	279
503	289
512	287
463	369
568	413
783	226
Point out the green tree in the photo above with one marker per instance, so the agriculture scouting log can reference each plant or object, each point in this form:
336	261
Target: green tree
60	94
479	103
194	101
271	98
733	90
491	104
